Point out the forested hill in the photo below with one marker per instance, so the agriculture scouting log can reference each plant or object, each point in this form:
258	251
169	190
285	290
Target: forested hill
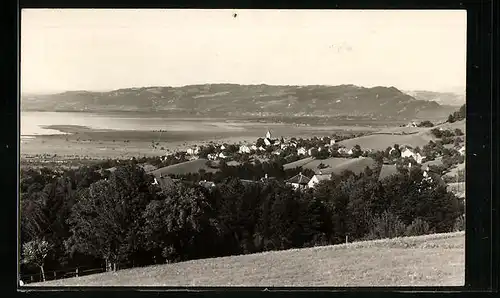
246	100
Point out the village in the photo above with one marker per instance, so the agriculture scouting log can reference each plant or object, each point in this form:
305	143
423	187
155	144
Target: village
323	156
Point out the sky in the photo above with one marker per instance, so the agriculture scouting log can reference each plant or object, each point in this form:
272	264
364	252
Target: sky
99	50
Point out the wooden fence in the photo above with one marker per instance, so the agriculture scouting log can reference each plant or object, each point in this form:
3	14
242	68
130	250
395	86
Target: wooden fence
60	274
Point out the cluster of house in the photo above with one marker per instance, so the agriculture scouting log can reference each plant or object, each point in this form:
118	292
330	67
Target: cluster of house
278	144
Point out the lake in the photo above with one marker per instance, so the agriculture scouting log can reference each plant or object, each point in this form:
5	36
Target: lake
32	123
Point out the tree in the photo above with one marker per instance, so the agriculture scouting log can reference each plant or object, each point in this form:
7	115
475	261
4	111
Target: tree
180	225
106	220
387	225
356	151
462	113
396	153
426	123
451	119
35	252
437	133
33	219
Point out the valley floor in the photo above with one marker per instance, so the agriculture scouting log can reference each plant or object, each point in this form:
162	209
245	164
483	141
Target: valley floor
431	260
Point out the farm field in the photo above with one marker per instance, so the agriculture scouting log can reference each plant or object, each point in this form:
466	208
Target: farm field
431	260
192	166
334	164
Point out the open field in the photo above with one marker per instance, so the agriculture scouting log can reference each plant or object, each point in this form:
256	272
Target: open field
413	130
192	166
335	164
436	162
312	163
431	260
412	136
382	141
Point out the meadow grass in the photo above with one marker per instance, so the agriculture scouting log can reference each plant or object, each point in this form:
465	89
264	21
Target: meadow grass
431	260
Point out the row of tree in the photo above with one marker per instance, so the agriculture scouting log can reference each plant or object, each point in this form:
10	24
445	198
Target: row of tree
78	217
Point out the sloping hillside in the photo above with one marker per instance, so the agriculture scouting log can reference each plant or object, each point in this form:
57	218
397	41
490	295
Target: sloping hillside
192	166
334	164
432	260
382	141
356	165
245	100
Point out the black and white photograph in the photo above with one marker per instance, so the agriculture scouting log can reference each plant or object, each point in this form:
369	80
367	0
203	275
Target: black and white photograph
242	148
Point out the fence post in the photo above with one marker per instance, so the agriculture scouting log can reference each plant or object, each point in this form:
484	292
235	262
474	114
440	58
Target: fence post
76	272
32	278
54	275
346	239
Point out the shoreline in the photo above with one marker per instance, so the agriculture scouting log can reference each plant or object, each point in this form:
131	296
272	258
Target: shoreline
83	142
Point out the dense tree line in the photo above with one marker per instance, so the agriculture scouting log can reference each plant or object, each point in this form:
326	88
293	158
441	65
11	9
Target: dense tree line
82	218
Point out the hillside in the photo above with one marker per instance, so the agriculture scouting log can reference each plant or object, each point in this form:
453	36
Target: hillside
382	141
412	136
431	260
335	164
442	98
220	100
192	166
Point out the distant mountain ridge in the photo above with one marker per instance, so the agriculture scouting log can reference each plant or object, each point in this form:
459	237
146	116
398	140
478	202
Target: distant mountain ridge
442	98
245	100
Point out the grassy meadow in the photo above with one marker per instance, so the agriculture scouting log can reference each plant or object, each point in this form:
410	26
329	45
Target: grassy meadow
430	260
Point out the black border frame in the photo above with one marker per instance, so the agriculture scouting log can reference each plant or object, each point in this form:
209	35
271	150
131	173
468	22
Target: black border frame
482	148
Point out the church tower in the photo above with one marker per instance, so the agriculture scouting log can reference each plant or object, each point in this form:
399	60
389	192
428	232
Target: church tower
268	134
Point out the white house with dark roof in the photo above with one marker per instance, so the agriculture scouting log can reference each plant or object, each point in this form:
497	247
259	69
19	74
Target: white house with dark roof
318	178
298	181
301	151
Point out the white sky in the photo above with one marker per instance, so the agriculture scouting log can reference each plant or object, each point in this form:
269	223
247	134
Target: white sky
88	49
